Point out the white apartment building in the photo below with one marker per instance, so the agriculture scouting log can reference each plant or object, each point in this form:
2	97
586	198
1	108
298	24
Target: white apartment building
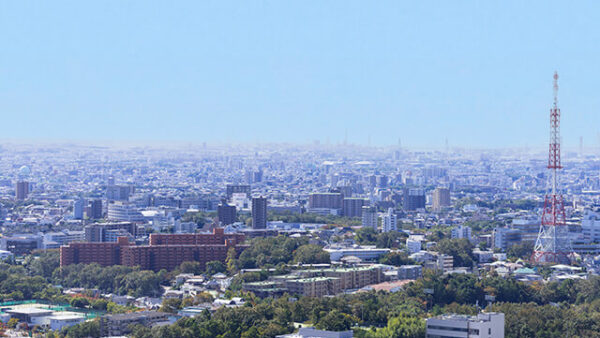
484	325
413	243
461	231
390	221
590	226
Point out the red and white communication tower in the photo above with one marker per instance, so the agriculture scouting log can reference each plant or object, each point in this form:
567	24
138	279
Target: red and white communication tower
553	244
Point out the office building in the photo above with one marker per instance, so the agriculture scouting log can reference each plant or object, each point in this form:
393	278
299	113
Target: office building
237	188
259	213
164	251
382	181
78	206
124	211
590	226
390	221
484	325
352	207
95	209
461	231
118	192
414	199
440	198
22	190
22	244
369	217
53	240
504	238
226	214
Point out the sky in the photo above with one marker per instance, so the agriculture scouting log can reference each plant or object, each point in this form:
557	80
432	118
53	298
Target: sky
477	73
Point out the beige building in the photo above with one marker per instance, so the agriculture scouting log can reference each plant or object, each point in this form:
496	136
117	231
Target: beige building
440	198
314	287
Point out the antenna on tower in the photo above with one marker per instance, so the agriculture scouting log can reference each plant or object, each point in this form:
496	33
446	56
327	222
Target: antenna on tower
552	244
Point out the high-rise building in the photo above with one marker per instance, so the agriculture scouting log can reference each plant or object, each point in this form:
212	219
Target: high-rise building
440	198
369	217
118	192
414	199
226	213
352	207
330	200
95	209
22	190
382	181
78	206
390	221
259	213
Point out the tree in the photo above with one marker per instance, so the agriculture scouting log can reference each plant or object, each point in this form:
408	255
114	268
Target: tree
214	267
231	262
389	239
44	264
524	251
12	323
335	321
366	235
99	304
396	259
79	302
170	305
403	326
191	267
311	254
459	248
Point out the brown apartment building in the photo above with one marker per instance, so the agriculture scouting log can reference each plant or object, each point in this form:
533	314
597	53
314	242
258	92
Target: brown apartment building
165	251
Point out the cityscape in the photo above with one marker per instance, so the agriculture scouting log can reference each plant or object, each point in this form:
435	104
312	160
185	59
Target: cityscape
163	217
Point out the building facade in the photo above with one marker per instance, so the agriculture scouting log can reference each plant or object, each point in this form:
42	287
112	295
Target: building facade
484	325
164	251
369	217
259	213
440	198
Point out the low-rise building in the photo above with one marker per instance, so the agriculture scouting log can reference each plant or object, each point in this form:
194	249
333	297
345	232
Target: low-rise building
410	272
314	287
484	325
120	324
365	253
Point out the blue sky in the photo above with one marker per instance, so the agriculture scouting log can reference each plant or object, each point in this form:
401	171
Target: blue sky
478	73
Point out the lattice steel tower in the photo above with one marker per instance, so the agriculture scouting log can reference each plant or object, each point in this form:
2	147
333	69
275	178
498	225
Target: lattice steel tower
553	244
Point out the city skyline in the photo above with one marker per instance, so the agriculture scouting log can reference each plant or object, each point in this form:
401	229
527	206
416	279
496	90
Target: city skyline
478	75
